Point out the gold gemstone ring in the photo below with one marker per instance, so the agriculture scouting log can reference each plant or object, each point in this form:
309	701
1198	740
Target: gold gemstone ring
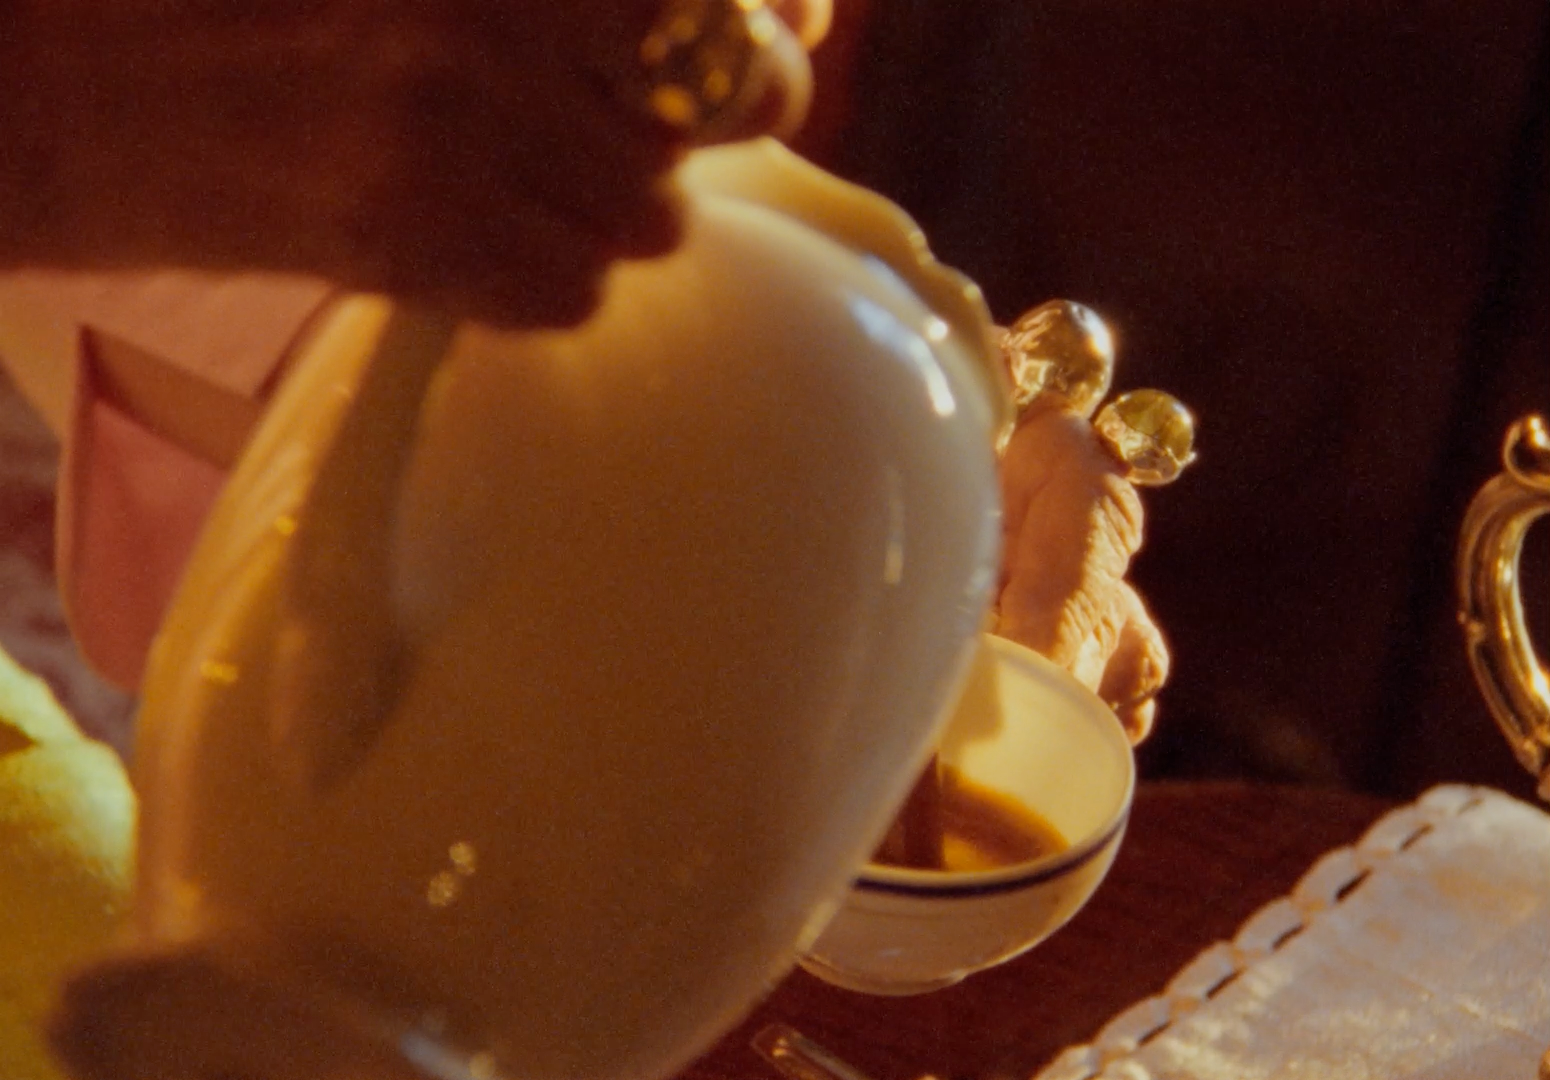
1061	353
1060	348
1151	433
703	63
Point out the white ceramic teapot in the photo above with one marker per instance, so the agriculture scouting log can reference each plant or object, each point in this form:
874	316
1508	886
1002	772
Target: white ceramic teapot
531	697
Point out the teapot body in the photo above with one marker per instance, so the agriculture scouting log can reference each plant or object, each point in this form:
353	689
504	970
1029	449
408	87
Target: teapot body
679	600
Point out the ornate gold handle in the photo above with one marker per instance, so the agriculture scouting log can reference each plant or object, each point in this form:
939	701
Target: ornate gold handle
1510	675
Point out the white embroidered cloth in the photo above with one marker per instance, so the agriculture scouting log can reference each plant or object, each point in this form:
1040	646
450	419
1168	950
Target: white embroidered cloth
1421	951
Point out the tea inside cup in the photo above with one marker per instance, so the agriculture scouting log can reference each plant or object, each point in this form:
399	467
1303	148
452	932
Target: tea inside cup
1024	735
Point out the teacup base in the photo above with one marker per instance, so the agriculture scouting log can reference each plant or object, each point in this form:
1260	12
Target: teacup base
847	980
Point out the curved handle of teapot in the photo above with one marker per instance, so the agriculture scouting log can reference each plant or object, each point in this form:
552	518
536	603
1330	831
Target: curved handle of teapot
1510	674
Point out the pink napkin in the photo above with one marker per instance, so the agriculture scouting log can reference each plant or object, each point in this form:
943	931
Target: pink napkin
131	498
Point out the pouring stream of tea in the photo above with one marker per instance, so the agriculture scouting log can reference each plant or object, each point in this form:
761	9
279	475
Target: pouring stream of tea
922	829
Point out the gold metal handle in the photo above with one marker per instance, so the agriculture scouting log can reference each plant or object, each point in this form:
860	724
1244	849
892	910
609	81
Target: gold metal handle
1511	676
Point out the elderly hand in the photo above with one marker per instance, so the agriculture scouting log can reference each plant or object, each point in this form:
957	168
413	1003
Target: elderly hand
1073	521
492	156
1071	525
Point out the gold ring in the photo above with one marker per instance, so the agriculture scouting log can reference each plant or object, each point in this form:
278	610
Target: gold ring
1060	350
1062	354
1151	433
703	63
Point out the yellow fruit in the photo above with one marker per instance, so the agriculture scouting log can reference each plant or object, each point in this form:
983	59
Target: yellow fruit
66	861
28	712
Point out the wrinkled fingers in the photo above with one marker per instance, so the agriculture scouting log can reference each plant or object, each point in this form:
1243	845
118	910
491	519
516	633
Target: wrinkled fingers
1137	669
1071	525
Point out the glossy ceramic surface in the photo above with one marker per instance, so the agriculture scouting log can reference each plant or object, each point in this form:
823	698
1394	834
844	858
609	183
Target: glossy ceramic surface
531	698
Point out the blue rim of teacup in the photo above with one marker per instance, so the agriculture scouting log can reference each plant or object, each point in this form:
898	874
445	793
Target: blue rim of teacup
940	883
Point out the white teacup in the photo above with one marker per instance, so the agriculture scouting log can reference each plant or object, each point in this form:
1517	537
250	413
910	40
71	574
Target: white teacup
1024	729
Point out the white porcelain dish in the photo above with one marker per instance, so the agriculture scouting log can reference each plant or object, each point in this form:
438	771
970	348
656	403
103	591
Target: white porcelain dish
1027	729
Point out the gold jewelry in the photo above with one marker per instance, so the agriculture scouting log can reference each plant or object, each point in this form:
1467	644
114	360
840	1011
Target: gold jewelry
1062	349
1151	433
1062	353
703	62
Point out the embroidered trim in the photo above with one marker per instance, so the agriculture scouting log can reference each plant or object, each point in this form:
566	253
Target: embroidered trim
1328	882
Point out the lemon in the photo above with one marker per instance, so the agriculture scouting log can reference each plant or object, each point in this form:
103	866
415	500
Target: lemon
66	860
28	712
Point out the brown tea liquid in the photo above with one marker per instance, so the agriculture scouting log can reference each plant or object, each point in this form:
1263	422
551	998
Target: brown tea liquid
950	823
